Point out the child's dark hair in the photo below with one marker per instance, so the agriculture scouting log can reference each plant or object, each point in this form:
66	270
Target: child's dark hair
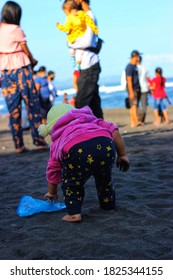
11	13
160	72
79	7
70	4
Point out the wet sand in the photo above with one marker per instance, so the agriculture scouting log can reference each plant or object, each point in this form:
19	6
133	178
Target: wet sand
140	228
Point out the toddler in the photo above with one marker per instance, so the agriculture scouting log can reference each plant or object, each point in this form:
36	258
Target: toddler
82	146
75	25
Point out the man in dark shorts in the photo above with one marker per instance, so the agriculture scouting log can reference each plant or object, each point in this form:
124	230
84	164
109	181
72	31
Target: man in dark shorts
133	87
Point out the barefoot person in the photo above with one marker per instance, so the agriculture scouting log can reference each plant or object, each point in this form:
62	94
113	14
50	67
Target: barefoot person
82	146
16	63
157	86
133	87
143	97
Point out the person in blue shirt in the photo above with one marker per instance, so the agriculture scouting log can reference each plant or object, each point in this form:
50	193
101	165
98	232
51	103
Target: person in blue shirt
42	87
133	87
51	86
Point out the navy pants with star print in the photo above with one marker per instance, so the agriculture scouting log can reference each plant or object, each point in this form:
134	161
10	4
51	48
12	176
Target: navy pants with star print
93	157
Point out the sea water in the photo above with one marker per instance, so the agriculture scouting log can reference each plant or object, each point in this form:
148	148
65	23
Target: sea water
111	97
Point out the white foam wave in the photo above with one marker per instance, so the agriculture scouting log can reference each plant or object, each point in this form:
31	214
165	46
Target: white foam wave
103	89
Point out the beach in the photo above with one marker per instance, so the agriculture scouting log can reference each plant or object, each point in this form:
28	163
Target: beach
139	229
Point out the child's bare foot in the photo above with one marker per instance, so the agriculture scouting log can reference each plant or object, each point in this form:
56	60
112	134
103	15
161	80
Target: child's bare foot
72	218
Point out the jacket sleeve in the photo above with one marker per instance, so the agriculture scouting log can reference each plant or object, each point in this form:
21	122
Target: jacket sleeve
53	171
66	27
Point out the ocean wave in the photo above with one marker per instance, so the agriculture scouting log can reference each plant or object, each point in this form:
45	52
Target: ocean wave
104	89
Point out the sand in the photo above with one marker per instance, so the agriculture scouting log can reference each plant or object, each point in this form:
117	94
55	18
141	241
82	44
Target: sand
140	229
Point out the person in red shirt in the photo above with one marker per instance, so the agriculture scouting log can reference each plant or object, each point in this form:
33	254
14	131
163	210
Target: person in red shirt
157	86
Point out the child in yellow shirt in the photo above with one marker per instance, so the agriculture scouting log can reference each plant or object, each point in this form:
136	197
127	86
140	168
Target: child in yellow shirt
75	25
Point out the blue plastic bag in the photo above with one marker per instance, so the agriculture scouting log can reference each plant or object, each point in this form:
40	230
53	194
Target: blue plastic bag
29	206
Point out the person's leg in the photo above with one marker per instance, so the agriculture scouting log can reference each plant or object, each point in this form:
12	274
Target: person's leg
133	115
102	175
143	106
144	101
78	55
31	99
133	110
72	57
75	78
74	177
165	113
88	90
92	157
12	95
138	96
156	112
95	104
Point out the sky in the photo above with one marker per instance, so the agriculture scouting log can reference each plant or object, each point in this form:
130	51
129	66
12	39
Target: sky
123	25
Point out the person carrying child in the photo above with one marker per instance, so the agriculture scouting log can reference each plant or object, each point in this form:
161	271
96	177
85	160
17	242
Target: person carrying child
76	26
82	145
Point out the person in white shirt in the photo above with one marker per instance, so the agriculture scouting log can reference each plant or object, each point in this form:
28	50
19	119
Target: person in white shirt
144	90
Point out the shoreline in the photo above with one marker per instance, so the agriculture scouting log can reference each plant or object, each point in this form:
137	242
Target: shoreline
120	116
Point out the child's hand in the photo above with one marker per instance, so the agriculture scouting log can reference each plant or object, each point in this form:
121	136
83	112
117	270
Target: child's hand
57	23
122	163
51	197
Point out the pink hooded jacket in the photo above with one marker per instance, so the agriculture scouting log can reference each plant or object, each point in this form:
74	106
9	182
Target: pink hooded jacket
76	126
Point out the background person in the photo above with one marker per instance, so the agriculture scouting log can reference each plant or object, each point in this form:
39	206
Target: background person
16	63
42	87
157	85
144	90
65	98
51	86
133	87
88	89
76	26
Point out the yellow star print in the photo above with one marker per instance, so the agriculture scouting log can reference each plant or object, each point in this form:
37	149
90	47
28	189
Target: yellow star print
68	192
106	200
102	163
99	147
80	151
71	166
90	159
108	148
